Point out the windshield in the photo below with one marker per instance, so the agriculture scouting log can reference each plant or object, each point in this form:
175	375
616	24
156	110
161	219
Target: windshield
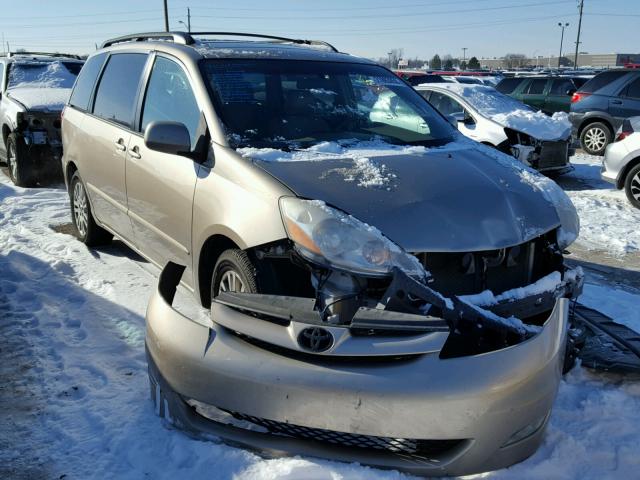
489	102
284	103
37	74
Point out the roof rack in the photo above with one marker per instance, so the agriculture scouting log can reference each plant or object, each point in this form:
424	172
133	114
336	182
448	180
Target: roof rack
187	38
176	37
42	54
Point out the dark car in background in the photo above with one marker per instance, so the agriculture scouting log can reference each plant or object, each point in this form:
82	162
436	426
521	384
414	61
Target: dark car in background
600	106
547	93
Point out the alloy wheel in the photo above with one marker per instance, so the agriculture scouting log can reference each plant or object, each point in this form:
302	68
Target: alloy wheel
80	209
635	186
11	161
231	282
595	139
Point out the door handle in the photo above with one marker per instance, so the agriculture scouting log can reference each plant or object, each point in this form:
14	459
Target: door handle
120	145
616	102
135	152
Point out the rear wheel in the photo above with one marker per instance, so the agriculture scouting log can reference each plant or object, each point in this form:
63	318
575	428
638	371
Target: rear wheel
87	230
19	169
632	186
595	137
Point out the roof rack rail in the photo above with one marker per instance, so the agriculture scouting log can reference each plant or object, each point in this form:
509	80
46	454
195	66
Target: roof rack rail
176	37
43	54
298	41
185	38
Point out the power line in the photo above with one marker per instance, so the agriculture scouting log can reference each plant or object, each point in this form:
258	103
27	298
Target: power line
414	14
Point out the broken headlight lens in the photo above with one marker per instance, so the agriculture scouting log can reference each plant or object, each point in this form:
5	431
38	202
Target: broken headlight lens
327	236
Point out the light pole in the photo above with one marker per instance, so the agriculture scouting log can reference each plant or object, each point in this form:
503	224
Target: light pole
563	26
464	57
390	53
166	17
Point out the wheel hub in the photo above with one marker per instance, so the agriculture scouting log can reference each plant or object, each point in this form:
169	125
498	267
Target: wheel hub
635	186
595	139
80	210
231	282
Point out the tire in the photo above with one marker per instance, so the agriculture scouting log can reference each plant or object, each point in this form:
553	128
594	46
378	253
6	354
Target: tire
632	186
595	137
17	162
86	228
234	272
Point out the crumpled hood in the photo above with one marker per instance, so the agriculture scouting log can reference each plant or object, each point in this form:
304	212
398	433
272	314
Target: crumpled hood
51	99
437	201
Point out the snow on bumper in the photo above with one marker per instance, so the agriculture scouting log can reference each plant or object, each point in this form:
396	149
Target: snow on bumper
495	404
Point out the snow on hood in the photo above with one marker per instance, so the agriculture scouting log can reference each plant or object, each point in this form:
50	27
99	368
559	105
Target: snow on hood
451	198
52	99
511	113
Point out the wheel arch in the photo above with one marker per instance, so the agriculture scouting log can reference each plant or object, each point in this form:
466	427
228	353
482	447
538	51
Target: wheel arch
70	169
625	171
211	250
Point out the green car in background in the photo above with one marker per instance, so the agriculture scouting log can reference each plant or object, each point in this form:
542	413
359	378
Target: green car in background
549	93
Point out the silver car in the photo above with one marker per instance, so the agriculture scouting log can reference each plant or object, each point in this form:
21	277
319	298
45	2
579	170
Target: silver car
382	289
621	164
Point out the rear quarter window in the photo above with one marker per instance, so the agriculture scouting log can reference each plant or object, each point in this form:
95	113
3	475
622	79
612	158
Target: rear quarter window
508	85
85	82
601	80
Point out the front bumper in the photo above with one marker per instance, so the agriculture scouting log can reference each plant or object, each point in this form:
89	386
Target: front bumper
616	158
469	407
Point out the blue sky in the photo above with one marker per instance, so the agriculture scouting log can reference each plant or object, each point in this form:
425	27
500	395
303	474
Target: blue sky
369	28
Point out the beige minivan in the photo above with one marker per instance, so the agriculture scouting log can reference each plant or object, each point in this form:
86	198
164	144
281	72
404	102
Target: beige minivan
340	229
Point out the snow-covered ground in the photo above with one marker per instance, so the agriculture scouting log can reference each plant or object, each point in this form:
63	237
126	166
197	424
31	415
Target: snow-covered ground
77	406
608	221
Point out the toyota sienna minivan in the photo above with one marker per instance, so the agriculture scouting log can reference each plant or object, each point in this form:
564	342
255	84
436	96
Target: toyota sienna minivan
340	229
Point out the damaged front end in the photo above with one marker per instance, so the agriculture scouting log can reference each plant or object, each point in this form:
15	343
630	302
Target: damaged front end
550	156
382	363
41	142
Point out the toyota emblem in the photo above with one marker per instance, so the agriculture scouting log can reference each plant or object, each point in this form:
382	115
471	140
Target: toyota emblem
315	339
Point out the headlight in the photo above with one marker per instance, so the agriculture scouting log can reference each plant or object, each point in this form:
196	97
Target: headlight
327	236
567	214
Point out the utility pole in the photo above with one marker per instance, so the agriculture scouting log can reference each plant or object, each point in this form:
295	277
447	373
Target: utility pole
563	26
166	17
390	53
188	20
464	57
575	58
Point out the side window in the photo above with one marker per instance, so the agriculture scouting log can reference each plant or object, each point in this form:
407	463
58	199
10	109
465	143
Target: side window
536	87
508	85
86	80
116	95
445	104
633	90
561	86
169	98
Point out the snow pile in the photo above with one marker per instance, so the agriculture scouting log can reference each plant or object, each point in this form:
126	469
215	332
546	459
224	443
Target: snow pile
608	222
78	317
37	74
511	113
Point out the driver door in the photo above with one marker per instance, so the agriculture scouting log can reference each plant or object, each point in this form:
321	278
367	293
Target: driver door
450	107
160	186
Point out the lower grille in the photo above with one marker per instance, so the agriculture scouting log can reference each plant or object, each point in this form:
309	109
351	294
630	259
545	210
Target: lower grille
553	154
405	446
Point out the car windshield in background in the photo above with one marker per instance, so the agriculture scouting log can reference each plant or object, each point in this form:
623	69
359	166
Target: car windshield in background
275	103
35	74
489	102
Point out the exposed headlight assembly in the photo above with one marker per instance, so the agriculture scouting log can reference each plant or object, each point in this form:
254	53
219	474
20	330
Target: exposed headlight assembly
330	237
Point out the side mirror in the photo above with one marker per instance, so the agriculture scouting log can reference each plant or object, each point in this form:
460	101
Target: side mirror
168	137
571	91
453	121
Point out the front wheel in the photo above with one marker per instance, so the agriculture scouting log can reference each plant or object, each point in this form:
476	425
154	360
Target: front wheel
87	230
632	186
234	272
595	137
17	162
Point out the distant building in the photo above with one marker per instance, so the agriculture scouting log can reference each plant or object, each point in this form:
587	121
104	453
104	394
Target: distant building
596	60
